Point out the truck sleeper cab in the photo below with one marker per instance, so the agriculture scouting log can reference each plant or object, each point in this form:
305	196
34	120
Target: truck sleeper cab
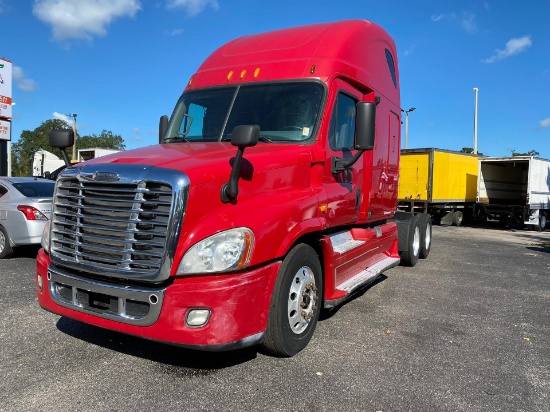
272	194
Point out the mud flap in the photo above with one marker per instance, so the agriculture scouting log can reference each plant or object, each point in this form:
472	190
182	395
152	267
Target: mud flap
403	220
447	220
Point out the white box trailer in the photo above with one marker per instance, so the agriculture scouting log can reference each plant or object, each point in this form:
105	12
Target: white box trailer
87	154
44	163
515	189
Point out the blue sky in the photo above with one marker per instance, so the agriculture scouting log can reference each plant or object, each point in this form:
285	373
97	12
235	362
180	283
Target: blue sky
120	64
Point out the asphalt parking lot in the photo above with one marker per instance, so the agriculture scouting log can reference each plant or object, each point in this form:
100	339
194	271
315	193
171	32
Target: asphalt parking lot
467	329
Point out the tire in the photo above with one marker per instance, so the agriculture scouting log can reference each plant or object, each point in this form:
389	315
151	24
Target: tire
410	256
458	218
5	247
542	222
295	303
425	235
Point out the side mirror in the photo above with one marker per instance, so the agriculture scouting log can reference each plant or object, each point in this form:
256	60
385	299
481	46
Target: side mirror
62	138
243	136
163	127
365	126
365	130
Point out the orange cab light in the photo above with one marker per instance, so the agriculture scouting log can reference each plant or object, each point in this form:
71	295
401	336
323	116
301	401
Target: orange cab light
230	75
257	72
243	73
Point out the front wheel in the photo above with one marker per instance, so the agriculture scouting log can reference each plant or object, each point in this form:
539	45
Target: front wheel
295	303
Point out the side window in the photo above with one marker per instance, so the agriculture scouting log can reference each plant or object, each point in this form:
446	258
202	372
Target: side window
196	113
3	190
391	66
342	124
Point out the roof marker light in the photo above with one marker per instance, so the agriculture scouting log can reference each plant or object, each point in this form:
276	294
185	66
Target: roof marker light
230	75
243	73
312	70
257	72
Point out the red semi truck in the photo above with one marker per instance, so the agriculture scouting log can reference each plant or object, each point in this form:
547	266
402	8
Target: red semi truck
272	194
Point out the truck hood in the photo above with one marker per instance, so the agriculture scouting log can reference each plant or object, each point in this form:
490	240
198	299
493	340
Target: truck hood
206	162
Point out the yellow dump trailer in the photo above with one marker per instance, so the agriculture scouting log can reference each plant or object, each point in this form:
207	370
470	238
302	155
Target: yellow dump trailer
442	183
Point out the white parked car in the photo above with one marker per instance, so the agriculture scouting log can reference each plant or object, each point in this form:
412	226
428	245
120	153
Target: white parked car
25	207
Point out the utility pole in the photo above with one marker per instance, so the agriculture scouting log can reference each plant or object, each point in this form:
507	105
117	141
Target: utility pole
73	115
476	91
407	125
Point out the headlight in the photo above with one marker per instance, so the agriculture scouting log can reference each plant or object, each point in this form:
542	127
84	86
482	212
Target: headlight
225	251
45	241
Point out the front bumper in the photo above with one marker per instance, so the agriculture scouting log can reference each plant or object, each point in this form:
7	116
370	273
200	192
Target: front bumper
239	305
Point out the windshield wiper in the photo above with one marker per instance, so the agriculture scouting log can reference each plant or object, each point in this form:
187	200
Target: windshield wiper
262	138
176	139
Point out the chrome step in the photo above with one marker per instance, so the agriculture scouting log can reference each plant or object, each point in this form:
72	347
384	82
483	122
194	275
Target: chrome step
368	274
343	242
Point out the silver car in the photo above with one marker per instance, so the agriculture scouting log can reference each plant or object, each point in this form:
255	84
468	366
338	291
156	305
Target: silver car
25	207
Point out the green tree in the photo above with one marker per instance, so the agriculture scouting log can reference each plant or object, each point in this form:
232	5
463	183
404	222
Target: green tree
105	140
470	150
31	141
529	153
38	139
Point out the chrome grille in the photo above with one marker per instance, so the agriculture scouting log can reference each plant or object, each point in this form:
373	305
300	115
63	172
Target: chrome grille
116	228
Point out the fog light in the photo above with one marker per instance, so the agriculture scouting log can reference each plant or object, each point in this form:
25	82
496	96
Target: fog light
39	282
197	317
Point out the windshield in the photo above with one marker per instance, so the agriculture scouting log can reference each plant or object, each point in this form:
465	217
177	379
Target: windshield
285	112
42	188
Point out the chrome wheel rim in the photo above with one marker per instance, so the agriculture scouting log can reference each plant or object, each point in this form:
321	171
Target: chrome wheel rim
302	299
427	236
416	241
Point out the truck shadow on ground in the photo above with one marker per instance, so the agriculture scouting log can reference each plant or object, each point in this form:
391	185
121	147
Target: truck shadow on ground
190	362
539	249
29	251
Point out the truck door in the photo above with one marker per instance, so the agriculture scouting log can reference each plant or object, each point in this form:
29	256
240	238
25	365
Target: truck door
343	190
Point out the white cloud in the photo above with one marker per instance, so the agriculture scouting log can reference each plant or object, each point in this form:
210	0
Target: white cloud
60	116
83	19
544	123
465	20
468	23
68	119
193	7
137	134
410	50
438	17
175	32
513	46
22	81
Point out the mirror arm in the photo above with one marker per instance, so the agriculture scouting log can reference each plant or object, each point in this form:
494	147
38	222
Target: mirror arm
163	127
65	158
339	164
230	190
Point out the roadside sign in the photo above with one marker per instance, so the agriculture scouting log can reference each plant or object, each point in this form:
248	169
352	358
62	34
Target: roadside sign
5	130
5	89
